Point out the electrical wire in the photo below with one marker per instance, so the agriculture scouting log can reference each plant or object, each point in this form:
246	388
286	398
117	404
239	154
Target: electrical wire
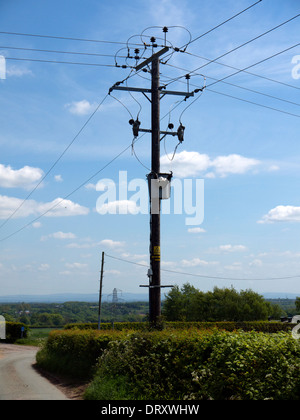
254	103
255	64
220	24
56	162
133	152
251	102
59	62
237	86
244	71
77	188
58	51
191	103
244	44
64	38
207	276
66	197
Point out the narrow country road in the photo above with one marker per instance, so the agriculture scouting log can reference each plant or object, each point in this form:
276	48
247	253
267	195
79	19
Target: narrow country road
19	380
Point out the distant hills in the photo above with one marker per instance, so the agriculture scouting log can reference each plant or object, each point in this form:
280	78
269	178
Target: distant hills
94	297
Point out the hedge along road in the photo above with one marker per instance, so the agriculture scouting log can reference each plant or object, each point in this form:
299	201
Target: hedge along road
19	380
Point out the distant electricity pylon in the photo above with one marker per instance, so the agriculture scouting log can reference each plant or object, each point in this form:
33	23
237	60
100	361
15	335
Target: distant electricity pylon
115	299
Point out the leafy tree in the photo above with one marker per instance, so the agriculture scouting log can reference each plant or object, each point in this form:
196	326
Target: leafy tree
190	304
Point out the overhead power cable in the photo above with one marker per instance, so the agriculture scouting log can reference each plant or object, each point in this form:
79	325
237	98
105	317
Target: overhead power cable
244	71
221	24
66	38
56	162
253	103
74	190
255	64
67	196
60	62
248	101
206	276
58	51
246	43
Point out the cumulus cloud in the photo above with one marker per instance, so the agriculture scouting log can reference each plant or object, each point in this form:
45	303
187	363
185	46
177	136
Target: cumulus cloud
233	164
189	164
196	230
119	207
57	208
59	235
83	107
58	178
282	214
19	178
232	248
195	262
61	207
111	244
76	265
44	267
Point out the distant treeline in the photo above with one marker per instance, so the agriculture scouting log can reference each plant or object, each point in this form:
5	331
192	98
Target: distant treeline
180	304
59	314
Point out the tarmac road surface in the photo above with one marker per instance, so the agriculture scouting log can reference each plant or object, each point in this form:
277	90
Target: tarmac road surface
19	380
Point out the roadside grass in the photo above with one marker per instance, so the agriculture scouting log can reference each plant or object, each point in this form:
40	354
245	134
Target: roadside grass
36	337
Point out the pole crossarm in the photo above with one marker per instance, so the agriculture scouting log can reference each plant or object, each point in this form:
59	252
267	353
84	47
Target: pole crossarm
147	130
145	90
152	58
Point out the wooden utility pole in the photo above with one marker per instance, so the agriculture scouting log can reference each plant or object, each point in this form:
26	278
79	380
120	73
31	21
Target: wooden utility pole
100	292
156	94
155	281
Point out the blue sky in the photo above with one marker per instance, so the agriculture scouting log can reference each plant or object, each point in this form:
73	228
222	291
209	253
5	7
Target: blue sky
241	138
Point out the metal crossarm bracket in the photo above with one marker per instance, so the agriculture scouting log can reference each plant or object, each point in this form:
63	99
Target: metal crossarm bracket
144	90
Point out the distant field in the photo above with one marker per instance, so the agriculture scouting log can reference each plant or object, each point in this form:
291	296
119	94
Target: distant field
36	336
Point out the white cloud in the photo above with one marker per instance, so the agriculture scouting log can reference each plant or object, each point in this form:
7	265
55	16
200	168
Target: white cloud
189	164
61	207
59	235
195	262
273	168
233	164
44	267
58	178
9	204
282	214
196	230
76	265
63	235
90	186
83	107
19	178
256	263
57	208
232	248
36	225
119	207
114	272
112	244
234	266
87	245
15	71
186	163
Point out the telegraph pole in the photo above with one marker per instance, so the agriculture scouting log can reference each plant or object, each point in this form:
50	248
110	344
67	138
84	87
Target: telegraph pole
100	292
155	198
155	289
